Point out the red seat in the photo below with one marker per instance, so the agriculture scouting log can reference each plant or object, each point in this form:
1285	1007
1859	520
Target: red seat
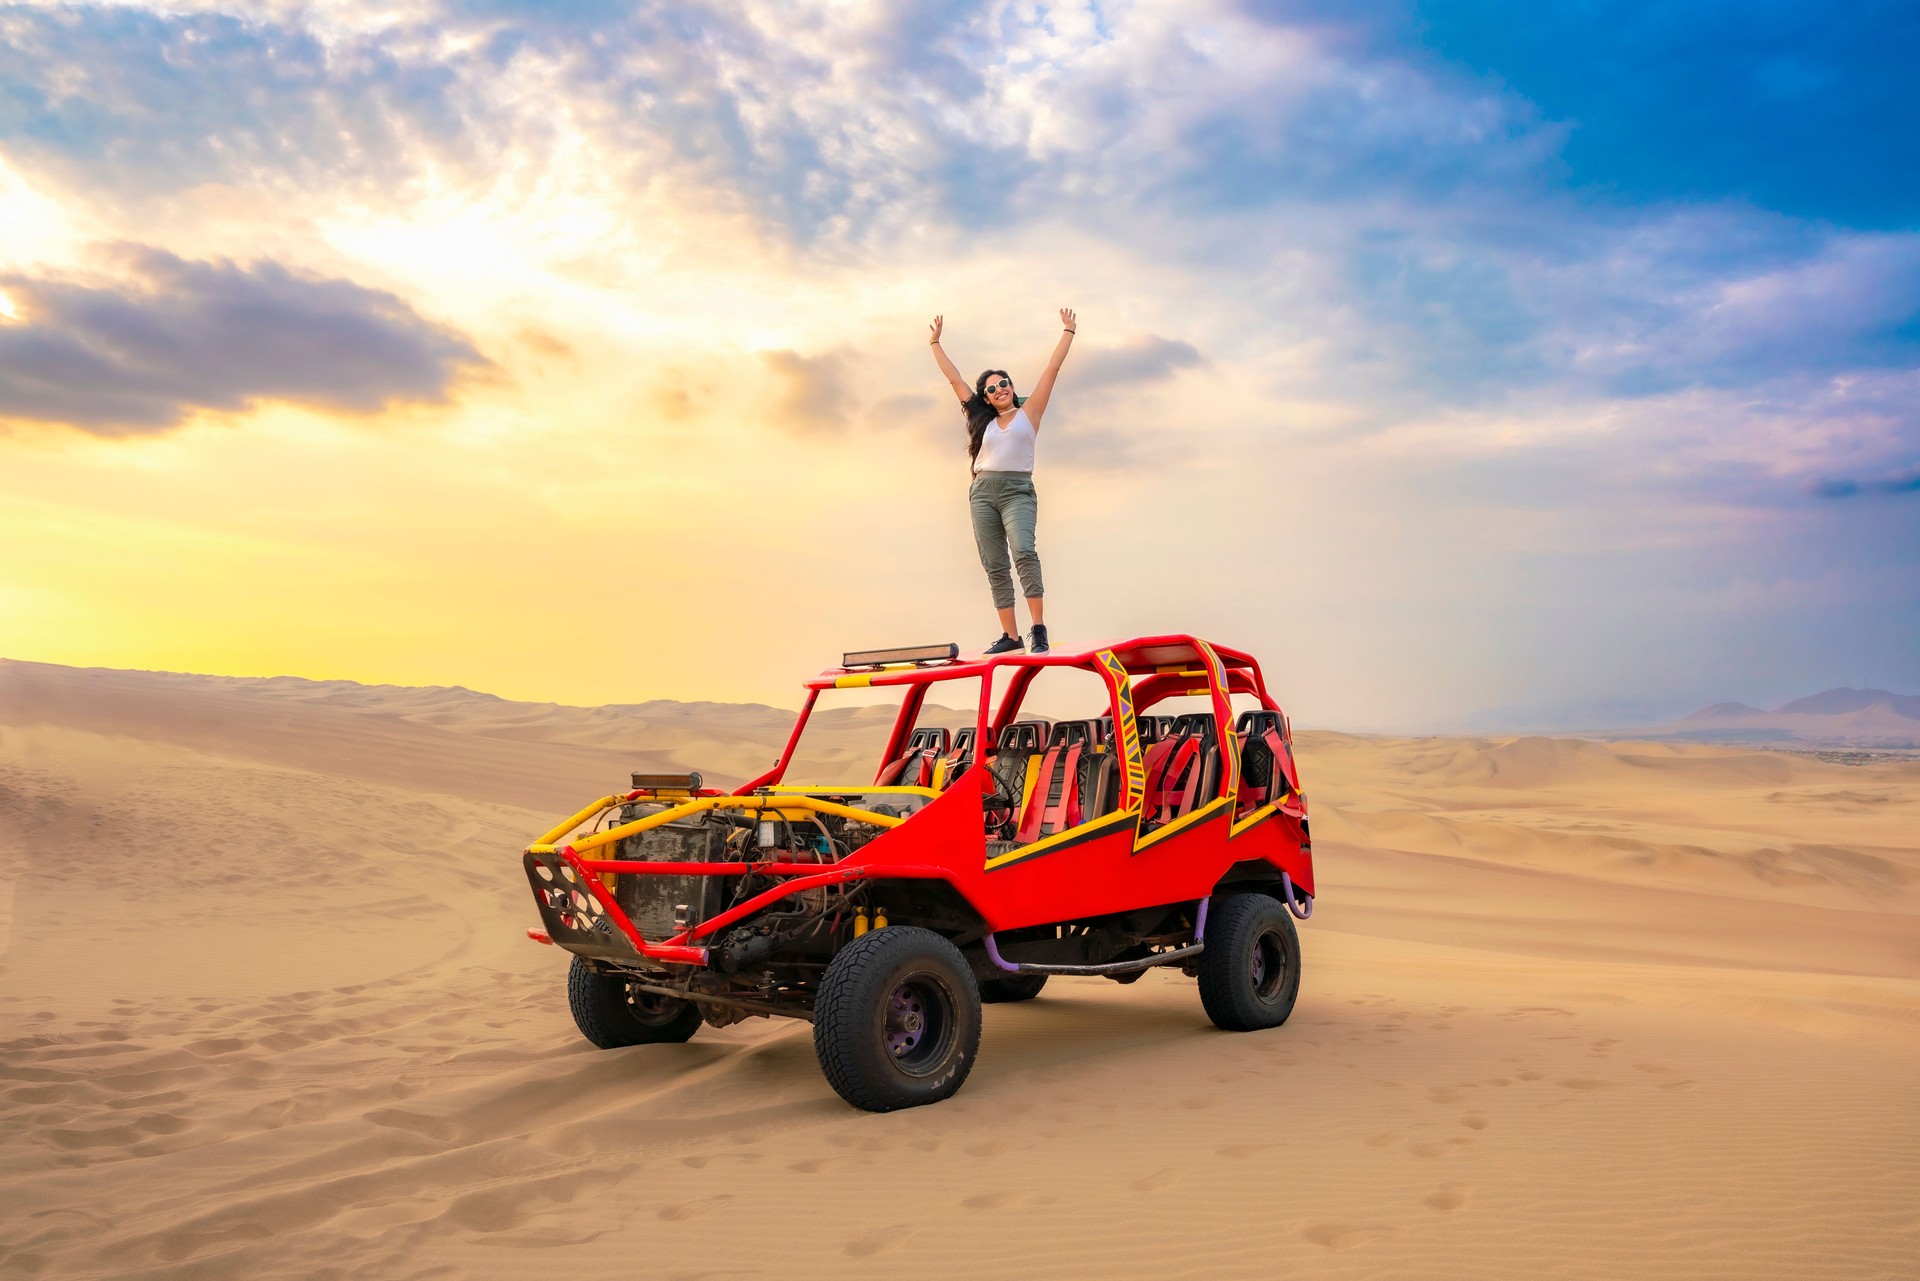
956	762
1055	803
1173	773
1266	760
1018	746
915	767
1182	771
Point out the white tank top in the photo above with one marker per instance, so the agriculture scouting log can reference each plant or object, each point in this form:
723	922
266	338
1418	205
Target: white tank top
1008	448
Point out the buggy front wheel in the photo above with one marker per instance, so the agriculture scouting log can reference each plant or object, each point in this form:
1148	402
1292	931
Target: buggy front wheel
896	1022
611	1014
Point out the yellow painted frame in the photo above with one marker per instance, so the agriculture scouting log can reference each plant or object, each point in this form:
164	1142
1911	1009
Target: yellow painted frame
779	805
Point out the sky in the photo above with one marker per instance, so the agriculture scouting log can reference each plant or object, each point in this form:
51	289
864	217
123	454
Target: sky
1471	365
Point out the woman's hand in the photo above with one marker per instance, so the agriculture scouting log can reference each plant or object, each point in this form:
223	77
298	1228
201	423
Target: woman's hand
1068	321
939	323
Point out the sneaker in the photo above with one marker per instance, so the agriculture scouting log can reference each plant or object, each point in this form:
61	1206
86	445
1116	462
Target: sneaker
1039	643
1005	645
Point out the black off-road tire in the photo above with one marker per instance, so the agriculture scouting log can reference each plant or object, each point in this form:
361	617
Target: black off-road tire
611	1016
904	983
1250	972
1014	987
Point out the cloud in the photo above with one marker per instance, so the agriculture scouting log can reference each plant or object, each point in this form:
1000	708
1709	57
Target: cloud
546	346
915	411
831	123
1370	190
1709	299
835	122
1142	358
812	396
1906	482
122	99
141	354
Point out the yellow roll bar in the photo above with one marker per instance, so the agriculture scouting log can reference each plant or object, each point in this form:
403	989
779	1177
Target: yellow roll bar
700	804
590	811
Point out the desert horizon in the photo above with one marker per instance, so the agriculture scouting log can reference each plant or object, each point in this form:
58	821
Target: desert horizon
1839	717
1568	1007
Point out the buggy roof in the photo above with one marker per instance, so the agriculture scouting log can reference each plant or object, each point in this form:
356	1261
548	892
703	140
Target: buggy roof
1142	655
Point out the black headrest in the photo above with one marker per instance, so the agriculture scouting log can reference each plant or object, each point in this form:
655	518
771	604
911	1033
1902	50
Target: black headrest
1199	724
1023	736
1257	721
1152	728
929	739
963	740
1081	732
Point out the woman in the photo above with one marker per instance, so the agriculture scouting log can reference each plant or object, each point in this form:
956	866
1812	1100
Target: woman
1001	431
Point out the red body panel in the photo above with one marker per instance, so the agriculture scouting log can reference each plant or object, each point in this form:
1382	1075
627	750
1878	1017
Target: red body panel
1277	839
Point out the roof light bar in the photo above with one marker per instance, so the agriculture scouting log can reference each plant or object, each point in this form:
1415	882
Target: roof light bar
666	782
910	654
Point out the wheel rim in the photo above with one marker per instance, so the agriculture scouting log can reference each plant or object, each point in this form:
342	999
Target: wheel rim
1268	966
917	1028
652	1010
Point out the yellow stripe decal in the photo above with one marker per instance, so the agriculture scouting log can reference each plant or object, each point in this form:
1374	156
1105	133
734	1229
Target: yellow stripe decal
1260	815
1106	826
1133	766
1210	810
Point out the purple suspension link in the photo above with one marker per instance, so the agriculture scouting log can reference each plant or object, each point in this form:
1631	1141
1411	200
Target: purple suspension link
1300	913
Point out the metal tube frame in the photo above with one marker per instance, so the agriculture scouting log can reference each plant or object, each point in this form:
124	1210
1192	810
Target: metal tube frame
695	805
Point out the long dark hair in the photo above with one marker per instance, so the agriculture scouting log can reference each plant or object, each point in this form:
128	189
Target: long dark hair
979	412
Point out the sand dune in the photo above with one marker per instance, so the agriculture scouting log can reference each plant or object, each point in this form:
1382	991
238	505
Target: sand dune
1570	1009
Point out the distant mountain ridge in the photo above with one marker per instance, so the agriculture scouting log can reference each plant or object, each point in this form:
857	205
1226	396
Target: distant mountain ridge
1853	717
1839	701
1723	709
1842	700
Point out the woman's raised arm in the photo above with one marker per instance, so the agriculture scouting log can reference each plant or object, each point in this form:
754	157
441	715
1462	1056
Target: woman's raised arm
960	388
1043	390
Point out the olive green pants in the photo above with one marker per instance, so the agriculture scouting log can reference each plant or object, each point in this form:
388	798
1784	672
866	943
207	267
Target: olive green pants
1005	509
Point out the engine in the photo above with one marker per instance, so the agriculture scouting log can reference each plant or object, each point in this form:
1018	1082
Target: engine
663	905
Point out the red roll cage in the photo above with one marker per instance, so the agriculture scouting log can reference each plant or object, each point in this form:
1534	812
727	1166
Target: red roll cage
1172	665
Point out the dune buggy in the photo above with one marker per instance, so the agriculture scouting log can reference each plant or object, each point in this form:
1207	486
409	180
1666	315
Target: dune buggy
983	858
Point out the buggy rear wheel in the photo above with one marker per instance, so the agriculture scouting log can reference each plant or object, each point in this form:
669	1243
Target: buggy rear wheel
897	1020
1014	987
1250	972
611	1014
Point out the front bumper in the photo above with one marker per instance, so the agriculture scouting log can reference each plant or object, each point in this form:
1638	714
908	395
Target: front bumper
581	915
